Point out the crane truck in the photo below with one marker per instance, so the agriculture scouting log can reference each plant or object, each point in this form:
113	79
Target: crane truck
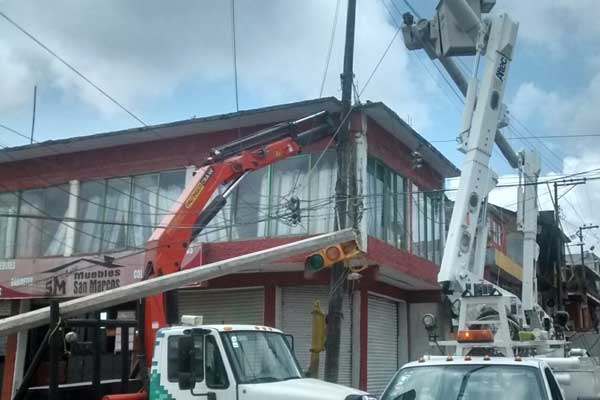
495	328
187	360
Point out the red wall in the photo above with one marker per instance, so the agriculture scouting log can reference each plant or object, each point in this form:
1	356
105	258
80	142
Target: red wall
119	161
396	155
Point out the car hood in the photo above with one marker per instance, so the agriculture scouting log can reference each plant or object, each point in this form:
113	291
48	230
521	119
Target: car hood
296	389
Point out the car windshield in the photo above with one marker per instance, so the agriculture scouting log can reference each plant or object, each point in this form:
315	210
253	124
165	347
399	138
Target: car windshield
466	382
261	357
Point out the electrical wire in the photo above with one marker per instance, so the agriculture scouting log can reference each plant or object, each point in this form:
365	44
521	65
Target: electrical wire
72	68
565	136
385	52
330	49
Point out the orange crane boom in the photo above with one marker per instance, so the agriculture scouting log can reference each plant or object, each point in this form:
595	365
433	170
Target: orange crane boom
191	212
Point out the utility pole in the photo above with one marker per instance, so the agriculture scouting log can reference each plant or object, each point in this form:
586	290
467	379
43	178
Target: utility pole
345	190
559	247
581	244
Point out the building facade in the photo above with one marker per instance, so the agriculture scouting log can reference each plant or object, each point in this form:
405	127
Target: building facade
71	207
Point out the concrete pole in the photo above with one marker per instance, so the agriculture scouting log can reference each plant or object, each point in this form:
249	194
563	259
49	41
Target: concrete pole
99	301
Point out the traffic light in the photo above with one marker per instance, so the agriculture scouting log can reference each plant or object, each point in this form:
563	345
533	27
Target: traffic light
329	255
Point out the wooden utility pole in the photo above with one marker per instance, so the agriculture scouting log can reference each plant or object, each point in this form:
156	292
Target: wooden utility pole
345	195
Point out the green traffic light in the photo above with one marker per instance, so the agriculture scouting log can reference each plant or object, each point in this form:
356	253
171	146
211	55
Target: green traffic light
315	262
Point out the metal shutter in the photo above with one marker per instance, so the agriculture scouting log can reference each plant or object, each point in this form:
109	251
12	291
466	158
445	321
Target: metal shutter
383	343
296	319
245	306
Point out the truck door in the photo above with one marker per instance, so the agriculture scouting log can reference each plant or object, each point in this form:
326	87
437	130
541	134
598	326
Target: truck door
197	368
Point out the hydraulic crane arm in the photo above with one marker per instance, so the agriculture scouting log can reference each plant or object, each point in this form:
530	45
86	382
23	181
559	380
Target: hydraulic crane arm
190	214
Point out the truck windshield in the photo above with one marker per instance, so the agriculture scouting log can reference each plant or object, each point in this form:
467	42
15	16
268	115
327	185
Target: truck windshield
466	382
260	357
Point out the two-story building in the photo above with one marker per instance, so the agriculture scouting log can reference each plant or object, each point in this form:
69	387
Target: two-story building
66	204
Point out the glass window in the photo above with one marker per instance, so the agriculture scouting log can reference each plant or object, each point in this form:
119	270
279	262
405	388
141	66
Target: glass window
170	187
153	195
219	228
41	232
437	227
415	225
400	210
252	206
216	375
375	210
173	358
29	236
493	382
321	209
388	209
90	209
260	357
123	212
430	222
116	213
287	178
9	204
55	231
144	211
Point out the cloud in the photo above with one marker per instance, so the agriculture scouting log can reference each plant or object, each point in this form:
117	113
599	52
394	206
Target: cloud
555	25
142	52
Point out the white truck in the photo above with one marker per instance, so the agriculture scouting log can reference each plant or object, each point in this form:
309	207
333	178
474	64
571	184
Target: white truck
489	320
474	378
234	362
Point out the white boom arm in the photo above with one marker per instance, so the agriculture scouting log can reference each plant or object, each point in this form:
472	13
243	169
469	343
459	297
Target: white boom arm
244	263
527	215
481	118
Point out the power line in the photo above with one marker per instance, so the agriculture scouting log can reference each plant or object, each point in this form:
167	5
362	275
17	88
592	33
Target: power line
331	40
72	68
565	136
380	60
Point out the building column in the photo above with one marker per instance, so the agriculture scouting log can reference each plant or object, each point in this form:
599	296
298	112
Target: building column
71	214
364	338
357	339
21	350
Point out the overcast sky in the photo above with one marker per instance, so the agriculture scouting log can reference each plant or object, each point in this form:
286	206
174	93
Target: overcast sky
169	61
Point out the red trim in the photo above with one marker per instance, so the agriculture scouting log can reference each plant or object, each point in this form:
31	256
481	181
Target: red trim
384	254
294	278
364	338
9	359
269	305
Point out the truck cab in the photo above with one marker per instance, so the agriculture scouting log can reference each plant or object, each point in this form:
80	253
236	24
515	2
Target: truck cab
470	378
233	362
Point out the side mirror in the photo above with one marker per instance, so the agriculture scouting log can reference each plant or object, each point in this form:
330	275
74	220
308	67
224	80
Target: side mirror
290	341
185	357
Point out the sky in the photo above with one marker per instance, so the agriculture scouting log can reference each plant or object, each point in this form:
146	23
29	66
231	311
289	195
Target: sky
167	61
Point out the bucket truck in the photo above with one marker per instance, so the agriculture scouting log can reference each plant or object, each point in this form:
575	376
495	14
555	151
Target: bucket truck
223	362
494	325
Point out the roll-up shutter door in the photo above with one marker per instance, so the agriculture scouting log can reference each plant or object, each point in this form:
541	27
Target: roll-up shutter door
244	306
296	319
5	306
383	343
